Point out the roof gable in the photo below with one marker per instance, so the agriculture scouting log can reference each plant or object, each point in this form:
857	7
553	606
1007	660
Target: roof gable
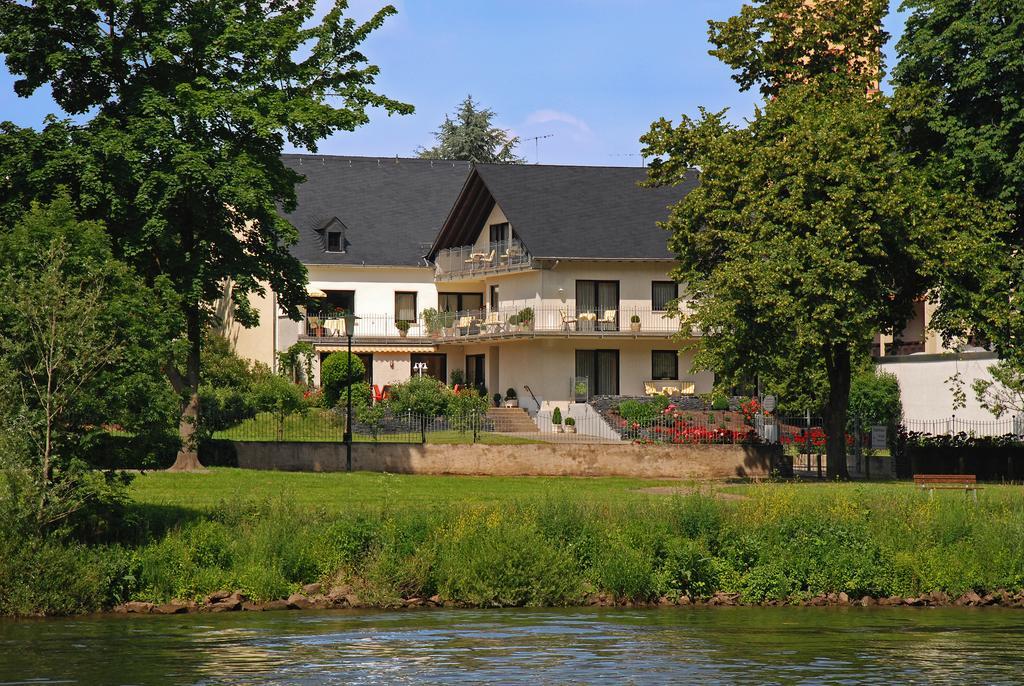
567	212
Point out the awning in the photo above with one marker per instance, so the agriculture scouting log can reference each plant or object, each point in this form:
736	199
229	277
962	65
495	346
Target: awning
378	348
315	292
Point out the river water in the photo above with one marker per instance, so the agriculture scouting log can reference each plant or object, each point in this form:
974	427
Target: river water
719	645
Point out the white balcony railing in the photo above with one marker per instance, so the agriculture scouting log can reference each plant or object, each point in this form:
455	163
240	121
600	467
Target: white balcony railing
566	320
328	325
470	260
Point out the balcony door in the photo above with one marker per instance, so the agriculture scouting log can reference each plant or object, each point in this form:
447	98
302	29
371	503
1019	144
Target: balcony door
475	372
460	302
600	299
601	369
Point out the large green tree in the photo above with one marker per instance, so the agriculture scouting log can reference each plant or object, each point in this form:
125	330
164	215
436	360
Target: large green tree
470	136
772	44
804	238
188	106
959	88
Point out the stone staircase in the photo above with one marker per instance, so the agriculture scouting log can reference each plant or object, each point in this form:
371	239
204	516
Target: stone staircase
511	420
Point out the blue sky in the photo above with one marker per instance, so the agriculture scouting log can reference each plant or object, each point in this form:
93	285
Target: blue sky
594	73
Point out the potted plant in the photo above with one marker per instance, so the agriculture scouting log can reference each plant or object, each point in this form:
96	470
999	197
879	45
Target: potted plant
580	388
432	320
497	399
634	323
556	420
511	398
525	318
570	425
403	327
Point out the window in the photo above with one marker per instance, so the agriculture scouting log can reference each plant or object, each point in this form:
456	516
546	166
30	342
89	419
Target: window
662	293
499	232
335	242
405	307
601	369
664	364
460	302
475	366
338	302
600	298
367	360
436	365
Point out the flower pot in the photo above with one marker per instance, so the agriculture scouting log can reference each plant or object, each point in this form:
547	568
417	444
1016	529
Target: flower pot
403	332
512	403
559	428
570	429
634	326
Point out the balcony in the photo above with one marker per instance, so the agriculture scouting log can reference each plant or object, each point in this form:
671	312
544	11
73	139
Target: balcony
329	328
629	322
471	262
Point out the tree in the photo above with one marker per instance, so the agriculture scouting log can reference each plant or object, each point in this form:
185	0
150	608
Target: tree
804	238
1004	393
73	362
959	90
471	137
190	105
337	372
776	43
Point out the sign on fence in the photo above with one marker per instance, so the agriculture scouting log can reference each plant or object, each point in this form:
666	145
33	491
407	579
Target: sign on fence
879	437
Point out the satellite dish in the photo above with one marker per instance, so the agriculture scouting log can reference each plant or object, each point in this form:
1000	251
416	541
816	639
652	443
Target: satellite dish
768	403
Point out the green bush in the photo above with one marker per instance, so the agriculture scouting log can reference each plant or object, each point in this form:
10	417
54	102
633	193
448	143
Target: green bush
465	409
421	395
719	402
689	568
556	416
338	371
875	399
641	411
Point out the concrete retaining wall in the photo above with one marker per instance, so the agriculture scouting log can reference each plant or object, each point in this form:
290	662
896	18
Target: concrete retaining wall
549	459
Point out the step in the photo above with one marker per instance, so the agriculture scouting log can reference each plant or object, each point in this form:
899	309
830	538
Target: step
511	420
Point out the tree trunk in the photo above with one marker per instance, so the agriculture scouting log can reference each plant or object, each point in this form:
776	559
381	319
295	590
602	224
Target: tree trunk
837	365
188	454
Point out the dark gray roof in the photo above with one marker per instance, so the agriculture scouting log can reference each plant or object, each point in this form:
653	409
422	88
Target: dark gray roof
389	209
569	211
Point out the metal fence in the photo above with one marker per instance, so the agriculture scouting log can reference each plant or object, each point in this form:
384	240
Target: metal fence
953	426
328	426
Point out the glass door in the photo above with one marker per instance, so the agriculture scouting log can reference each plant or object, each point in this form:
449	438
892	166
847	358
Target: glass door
601	369
597	305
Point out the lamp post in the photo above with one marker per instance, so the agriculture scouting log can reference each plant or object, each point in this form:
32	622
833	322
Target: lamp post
350	325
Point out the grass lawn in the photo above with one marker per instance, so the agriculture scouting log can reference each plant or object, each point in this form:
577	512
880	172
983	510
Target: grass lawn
319	426
337	491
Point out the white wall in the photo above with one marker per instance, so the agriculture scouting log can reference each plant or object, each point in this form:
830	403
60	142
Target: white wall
924	389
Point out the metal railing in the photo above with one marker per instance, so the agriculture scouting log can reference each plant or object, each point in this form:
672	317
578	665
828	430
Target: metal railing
954	426
513	321
497	257
327	325
328	426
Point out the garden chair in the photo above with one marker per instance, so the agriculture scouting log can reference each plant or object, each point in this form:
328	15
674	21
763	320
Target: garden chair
567	321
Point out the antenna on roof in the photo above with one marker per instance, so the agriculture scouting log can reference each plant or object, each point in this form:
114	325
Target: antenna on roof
536	146
643	159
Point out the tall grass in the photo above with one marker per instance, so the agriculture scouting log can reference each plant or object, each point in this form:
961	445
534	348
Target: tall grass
780	542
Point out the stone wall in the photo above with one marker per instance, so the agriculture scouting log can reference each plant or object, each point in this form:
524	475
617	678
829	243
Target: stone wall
544	459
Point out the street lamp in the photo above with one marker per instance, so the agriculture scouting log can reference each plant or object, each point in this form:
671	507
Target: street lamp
350	325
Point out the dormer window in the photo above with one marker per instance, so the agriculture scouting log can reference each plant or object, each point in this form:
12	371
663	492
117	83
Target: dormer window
333	236
335	241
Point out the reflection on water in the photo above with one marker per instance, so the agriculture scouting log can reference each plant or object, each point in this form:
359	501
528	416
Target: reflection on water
732	645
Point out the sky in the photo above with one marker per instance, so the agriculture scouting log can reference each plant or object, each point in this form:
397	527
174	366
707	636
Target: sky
591	74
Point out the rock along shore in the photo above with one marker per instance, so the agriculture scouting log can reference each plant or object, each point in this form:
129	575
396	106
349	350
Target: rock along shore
312	597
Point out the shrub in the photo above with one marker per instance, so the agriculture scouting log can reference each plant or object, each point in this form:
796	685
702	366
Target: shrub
875	399
339	371
635	319
402	325
457	377
556	416
526	315
465	409
627	570
497	399
510	394
641	412
421	395
569	421
689	568
719	402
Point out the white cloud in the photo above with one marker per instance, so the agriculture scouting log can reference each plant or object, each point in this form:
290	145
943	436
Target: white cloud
580	127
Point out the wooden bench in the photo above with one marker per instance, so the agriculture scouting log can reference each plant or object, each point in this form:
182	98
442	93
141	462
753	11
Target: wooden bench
945	482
